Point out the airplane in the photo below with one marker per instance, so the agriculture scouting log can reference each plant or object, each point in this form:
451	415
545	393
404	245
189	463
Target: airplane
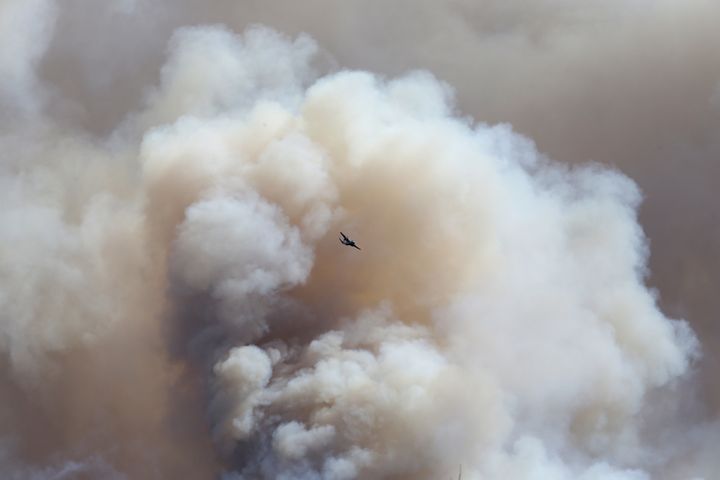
346	241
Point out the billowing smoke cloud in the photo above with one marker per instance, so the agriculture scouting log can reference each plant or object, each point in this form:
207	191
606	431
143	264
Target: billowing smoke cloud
175	303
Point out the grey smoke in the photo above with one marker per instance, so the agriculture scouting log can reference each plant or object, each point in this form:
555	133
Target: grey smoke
175	302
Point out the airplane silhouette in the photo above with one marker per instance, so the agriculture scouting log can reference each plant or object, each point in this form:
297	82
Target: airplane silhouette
346	241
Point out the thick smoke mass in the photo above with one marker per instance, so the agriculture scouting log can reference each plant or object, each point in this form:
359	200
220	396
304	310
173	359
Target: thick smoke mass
174	302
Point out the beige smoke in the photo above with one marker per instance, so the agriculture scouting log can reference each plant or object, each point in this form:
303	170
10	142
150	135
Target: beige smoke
175	301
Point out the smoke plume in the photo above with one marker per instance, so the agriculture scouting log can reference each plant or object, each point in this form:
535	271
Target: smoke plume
174	301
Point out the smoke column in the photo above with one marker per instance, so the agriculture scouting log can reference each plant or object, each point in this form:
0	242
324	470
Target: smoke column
174	302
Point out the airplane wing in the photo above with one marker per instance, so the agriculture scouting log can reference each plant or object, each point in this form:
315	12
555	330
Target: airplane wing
344	236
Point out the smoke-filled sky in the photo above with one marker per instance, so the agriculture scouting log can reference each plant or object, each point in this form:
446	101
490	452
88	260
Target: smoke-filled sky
533	186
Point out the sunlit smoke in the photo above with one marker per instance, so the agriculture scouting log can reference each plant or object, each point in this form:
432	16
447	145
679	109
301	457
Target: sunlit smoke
175	300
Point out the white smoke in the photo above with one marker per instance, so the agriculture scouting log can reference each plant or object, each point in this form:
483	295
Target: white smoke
497	317
69	469
25	31
524	342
